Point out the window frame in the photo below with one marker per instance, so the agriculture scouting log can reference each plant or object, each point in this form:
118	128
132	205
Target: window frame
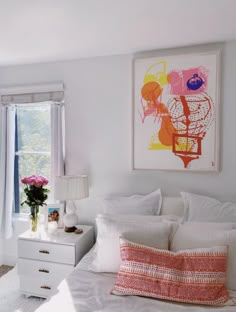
17	204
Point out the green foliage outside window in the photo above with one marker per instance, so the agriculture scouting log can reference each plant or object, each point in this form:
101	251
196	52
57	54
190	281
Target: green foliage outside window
33	129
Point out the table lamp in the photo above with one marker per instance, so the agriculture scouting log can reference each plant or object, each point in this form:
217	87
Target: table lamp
71	188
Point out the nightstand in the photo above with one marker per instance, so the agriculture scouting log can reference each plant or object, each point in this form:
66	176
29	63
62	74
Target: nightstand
44	262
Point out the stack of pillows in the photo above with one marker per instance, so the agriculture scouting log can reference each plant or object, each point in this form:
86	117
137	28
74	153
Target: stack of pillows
189	259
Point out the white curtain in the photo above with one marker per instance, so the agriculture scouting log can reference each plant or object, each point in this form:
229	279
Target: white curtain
57	146
7	154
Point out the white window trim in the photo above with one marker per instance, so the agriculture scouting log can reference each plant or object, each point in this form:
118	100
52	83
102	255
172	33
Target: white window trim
39	88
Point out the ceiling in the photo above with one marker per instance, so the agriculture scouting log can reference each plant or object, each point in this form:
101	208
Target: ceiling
54	30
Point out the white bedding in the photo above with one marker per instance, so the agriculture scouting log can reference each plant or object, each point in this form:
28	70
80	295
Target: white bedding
86	291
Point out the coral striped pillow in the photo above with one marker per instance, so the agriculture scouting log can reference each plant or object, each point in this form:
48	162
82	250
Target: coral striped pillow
193	276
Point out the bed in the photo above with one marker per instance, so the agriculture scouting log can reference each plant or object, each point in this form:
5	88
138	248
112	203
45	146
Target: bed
85	290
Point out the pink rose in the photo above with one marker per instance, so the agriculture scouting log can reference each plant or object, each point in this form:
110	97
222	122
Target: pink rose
42	180
31	180
37	181
24	180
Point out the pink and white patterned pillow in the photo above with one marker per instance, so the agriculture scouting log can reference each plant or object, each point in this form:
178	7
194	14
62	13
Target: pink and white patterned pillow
192	276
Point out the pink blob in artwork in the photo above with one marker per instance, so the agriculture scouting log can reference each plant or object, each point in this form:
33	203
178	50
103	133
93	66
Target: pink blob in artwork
186	82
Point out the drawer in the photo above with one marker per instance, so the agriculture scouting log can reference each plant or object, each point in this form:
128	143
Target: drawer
37	287
46	251
43	269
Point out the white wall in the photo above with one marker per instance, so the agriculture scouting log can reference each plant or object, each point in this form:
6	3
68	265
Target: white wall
8	247
98	126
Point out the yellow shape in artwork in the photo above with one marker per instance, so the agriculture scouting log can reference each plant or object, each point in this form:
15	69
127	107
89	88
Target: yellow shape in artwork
183	146
156	145
156	72
159	146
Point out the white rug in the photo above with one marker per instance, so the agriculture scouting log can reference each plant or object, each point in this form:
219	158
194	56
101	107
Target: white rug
10	298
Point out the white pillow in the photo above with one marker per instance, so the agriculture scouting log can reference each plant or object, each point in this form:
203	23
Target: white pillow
109	230
136	204
172	219
195	227
207	209
189	236
172	205
141	218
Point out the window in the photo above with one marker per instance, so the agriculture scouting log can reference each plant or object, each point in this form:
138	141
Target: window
31	142
32	146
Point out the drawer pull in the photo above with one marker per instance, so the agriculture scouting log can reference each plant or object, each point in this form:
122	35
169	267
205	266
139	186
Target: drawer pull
43	271
44	252
45	287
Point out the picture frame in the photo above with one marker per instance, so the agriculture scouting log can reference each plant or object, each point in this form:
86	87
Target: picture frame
54	212
175	114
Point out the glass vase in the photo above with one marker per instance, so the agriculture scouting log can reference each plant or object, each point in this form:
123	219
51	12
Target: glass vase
34	220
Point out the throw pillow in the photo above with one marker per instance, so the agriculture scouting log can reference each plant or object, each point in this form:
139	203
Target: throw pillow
208	236
191	276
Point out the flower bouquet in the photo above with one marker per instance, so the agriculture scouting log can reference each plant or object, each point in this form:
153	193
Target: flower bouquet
36	195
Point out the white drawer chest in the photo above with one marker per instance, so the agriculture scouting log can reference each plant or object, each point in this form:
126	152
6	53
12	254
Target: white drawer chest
44	262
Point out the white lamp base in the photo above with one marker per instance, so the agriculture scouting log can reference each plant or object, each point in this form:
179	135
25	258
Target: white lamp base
70	219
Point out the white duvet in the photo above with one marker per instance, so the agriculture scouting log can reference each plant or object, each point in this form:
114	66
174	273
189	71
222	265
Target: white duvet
86	291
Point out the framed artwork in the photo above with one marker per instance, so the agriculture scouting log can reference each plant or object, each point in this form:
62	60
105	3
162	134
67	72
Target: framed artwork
54	212
176	111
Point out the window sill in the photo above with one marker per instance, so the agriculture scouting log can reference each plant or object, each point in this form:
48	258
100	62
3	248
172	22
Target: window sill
23	217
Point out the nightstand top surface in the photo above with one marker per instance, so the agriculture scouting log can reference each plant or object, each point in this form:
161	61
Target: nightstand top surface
60	237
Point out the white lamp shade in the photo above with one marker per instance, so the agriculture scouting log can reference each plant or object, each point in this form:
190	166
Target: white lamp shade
71	187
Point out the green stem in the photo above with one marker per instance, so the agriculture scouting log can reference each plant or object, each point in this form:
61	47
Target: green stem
34	219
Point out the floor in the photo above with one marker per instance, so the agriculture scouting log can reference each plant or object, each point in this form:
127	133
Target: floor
11	300
4	269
